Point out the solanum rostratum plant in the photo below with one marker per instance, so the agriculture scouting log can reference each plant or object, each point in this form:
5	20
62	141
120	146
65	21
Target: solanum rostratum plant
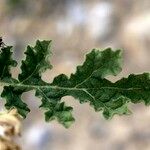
87	85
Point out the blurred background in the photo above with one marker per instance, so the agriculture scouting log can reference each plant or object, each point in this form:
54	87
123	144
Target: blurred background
77	26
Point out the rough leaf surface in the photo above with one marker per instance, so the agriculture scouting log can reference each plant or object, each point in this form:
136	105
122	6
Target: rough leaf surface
87	84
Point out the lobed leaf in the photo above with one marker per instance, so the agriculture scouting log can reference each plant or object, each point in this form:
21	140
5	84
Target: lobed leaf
6	62
87	84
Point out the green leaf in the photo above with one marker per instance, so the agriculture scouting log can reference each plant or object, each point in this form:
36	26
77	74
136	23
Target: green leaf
36	62
13	98
6	62
88	84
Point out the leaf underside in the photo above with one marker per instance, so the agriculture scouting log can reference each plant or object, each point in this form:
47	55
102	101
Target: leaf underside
87	84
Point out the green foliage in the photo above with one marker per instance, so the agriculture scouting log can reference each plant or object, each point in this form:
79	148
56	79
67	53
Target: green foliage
87	84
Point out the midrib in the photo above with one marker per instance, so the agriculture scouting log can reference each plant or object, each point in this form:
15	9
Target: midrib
65	88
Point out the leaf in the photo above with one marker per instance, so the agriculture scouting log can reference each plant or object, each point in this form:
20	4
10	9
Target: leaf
6	62
36	62
13	99
87	84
